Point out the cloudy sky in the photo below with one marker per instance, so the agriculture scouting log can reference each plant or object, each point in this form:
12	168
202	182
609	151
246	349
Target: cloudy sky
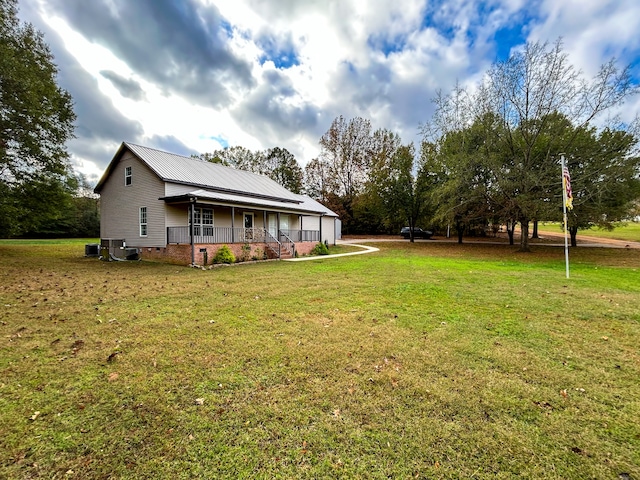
192	76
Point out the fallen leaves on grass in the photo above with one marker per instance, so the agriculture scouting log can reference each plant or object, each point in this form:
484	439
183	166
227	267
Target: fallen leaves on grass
111	358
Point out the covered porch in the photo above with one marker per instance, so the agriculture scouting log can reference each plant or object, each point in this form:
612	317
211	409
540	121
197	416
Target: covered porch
282	241
279	234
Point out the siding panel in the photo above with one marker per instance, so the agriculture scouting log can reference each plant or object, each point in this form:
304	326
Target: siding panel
120	205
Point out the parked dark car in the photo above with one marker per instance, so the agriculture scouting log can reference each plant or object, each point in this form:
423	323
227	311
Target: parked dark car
417	233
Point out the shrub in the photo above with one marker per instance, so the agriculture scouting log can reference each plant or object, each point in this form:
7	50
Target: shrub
245	256
259	254
320	249
224	255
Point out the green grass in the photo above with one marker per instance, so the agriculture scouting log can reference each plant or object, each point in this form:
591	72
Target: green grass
420	361
55	241
628	231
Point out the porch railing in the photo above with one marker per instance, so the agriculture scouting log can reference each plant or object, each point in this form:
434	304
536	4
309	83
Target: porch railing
287	243
205	234
273	243
302	235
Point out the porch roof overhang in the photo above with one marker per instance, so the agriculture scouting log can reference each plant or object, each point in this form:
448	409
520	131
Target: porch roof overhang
231	200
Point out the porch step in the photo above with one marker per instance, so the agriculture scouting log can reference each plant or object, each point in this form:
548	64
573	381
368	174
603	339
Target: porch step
284	253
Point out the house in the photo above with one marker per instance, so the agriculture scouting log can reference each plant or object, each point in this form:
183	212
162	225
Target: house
183	209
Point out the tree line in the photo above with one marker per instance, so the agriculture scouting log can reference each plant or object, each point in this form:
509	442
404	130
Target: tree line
40	195
488	156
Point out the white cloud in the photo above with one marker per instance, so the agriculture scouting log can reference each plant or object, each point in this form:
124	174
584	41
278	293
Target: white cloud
207	70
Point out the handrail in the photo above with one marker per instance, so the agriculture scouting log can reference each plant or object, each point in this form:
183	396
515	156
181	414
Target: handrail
268	239
288	243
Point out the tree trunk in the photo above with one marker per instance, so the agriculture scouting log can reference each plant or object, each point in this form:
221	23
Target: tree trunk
573	231
524	235
535	229
460	229
510	228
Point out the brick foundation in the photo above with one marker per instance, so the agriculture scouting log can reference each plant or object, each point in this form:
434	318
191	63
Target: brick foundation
304	248
181	254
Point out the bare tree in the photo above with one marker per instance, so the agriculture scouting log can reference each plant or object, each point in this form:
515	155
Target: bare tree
346	148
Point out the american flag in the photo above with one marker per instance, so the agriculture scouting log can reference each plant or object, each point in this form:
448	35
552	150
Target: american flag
566	184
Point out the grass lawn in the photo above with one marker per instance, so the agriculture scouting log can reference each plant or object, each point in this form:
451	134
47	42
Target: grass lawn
423	360
629	231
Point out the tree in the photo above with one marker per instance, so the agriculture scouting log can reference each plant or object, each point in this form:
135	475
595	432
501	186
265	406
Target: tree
276	163
36	120
460	179
236	157
605	178
347	148
539	99
316	181
404	191
282	167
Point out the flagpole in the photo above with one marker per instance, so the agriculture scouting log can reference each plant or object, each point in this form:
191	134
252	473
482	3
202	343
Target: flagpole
564	215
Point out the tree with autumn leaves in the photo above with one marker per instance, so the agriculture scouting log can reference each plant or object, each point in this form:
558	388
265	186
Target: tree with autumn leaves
489	156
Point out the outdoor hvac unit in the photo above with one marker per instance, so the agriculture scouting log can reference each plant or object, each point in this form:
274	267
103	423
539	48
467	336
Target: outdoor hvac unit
92	250
112	246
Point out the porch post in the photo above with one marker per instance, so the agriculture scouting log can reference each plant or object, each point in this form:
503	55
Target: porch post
264	222
278	228
233	219
193	210
320	218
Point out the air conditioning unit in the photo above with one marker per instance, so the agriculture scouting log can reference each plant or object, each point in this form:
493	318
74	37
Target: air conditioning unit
112	247
92	250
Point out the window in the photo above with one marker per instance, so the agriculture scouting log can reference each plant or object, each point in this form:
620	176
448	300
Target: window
127	176
207	221
143	221
203	221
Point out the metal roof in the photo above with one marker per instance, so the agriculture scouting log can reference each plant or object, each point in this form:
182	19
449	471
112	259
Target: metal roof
216	182
309	204
171	167
306	205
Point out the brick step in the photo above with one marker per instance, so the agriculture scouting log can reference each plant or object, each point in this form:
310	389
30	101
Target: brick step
283	254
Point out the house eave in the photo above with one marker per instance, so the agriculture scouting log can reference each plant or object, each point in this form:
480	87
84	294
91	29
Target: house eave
231	192
191	197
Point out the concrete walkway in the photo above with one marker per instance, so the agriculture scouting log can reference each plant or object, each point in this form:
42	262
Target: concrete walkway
365	249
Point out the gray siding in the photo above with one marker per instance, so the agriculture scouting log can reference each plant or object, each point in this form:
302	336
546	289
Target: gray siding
120	205
172	189
310	222
329	230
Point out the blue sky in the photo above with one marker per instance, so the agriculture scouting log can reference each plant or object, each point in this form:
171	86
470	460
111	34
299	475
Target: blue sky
193	76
